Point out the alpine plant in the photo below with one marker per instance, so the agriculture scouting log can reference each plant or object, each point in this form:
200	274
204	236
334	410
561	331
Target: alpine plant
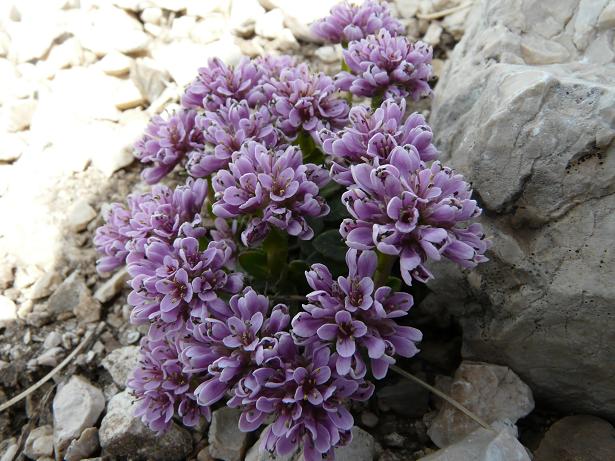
237	270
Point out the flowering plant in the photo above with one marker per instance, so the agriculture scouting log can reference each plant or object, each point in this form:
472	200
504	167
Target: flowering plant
294	194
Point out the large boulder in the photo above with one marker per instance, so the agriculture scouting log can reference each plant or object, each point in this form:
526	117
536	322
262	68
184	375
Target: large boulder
525	109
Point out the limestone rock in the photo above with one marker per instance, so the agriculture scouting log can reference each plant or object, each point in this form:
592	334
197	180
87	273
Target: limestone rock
298	16
76	406
578	438
361	448
483	445
532	129
149	77
226	441
17	115
84	446
8	310
12	147
8	449
39	442
271	24
120	364
244	15
115	64
255	454
109	289
74	296
122	434
493	392
80	214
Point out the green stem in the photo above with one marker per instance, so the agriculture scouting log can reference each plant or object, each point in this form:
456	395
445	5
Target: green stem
383	270
276	248
377	99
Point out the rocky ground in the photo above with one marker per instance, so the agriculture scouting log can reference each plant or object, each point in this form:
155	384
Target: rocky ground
80	80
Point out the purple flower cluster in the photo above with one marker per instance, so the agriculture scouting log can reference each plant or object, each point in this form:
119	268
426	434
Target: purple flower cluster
252	129
387	66
350	22
305	101
159	213
273	188
225	131
413	211
355	318
162	386
372	135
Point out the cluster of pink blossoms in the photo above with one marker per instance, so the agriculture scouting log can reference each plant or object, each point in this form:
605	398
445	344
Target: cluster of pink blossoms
270	149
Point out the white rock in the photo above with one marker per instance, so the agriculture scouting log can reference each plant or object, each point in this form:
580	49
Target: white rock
53	339
26	45
17	115
84	446
152	15
329	54
298	16
149	77
8	449
407	8
483	445
244	14
271	24
127	95
121	363
115	63
69	53
607	17
49	358
80	214
124	435
39	442
226	441
361	448
8	310
182	59
181	27
113	286
204	10
493	392
74	296
93	29
76	406
209	29
12	145
433	34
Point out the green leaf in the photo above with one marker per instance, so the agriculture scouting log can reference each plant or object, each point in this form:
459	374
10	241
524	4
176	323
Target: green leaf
254	262
394	283
331	245
338	209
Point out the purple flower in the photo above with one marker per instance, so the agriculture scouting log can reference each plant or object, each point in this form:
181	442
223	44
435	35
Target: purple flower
161	386
305	101
274	188
415	212
226	130
350	317
159	214
167	142
350	22
372	135
217	83
387	66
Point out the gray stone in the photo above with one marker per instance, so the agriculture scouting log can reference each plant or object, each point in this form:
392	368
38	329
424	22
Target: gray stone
483	445
404	398
255	454
120	363
74	296
76	406
492	392
226	441
80	214
39	442
361	448
53	339
532	129
8	449
149	77
110	288
578	438
84	446
123	434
